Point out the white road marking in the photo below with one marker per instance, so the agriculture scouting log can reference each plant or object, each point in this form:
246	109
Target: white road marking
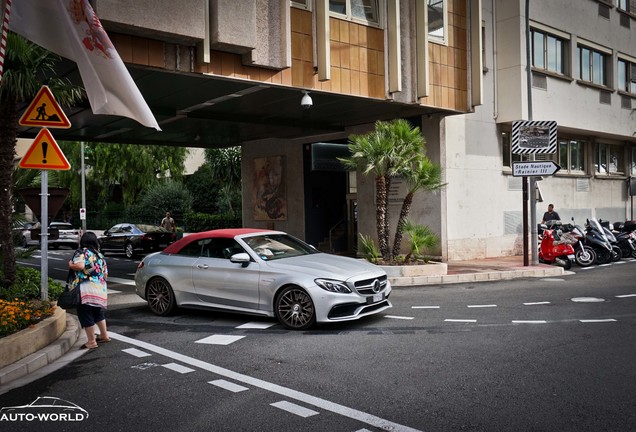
626	295
320	403
178	368
235	388
256	325
597	320
136	352
461	320
121	281
536	303
587	300
294	409
482	306
219	339
398	317
529	322
424	307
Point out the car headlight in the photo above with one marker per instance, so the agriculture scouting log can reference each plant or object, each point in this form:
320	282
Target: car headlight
332	285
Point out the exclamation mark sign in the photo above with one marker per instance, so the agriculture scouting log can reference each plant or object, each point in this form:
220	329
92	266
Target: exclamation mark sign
45	147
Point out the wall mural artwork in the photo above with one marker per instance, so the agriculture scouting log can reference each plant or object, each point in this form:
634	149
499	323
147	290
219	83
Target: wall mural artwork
269	192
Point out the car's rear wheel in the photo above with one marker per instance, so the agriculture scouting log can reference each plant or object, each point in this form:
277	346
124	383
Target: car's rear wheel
295	309
129	250
160	297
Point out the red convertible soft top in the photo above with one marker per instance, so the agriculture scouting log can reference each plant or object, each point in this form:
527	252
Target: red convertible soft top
220	233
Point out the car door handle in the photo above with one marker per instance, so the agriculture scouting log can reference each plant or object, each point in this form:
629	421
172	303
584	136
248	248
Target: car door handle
202	266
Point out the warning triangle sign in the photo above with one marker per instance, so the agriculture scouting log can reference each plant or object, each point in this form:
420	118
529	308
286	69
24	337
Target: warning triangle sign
44	154
44	111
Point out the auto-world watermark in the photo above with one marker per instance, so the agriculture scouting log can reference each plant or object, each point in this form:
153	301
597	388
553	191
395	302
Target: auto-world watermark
44	409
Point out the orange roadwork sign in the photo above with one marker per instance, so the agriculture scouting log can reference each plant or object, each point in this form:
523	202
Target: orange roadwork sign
45	154
44	111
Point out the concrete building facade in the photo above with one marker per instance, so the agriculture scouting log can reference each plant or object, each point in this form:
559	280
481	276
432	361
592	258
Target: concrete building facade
232	72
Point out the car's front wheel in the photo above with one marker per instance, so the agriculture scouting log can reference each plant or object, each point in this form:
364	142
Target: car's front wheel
160	297
295	309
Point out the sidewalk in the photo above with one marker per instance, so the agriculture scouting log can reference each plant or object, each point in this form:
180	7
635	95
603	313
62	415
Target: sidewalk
66	346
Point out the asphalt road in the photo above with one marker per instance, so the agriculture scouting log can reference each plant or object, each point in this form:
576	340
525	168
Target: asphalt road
522	355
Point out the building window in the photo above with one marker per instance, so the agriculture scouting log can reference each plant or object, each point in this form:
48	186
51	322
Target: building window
626	76
437	21
548	52
508	156
609	160
592	65
302	4
627	6
359	10
571	156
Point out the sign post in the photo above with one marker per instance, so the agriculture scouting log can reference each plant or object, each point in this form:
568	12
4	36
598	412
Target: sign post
531	137
44	154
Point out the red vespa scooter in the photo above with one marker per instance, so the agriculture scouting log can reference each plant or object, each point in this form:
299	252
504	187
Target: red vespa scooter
556	248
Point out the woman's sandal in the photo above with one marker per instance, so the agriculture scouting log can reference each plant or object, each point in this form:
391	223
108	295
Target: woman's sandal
99	340
88	347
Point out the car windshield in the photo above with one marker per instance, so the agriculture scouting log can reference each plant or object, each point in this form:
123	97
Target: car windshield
276	246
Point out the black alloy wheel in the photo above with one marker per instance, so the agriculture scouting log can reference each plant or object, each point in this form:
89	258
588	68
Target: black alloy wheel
295	309
603	256
160	297
617	253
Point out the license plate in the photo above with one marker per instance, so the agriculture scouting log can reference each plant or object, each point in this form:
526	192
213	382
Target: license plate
377	298
571	257
163	245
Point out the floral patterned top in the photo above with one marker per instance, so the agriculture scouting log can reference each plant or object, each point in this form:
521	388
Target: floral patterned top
92	280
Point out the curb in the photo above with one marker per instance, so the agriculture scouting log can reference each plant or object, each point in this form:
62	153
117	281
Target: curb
45	356
544	271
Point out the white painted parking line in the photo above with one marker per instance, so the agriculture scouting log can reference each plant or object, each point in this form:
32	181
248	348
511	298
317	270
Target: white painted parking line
135	352
587	300
461	320
537	303
294	409
235	388
482	306
597	320
398	317
626	295
320	403
219	339
529	322
178	368
424	307
256	325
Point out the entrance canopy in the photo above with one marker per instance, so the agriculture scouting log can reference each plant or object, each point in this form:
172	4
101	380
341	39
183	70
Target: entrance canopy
195	110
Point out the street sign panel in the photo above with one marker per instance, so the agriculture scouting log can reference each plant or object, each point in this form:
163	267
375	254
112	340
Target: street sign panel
534	137
44	154
534	168
44	111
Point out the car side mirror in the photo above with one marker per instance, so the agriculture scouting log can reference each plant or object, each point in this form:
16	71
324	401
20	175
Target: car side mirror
241	258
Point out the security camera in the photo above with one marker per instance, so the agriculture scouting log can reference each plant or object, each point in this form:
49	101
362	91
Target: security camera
306	101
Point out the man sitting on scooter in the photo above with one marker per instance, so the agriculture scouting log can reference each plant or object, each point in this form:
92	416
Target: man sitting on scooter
548	216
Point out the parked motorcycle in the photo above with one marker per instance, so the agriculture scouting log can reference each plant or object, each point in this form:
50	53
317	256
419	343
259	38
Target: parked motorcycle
617	251
625	233
556	248
584	255
595	238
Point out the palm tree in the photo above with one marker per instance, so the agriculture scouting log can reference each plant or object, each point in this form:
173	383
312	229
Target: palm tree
424	176
225	166
389	151
27	67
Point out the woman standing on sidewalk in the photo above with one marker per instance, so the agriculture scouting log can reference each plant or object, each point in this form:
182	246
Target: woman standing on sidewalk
91	274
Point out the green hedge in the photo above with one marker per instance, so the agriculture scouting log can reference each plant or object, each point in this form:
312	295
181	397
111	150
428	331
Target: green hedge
197	222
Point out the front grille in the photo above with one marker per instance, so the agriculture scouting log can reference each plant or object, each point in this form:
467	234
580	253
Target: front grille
347	310
365	287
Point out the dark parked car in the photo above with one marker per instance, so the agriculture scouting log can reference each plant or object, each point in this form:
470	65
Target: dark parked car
132	239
